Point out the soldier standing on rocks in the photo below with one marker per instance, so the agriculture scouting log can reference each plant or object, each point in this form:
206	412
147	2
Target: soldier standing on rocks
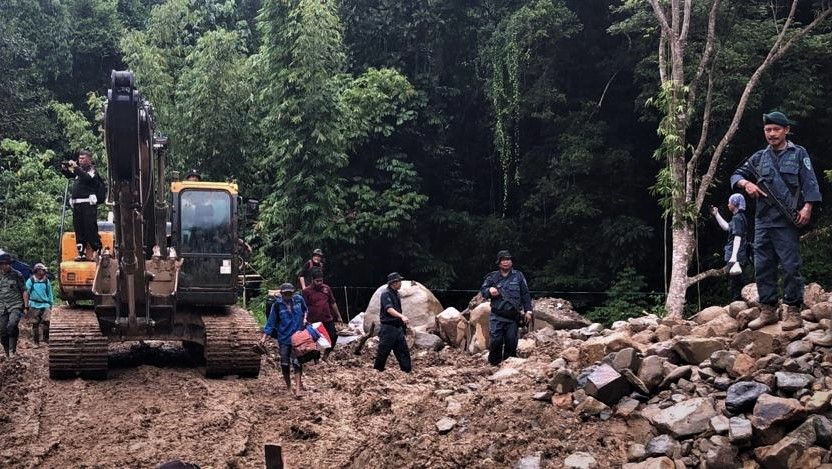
394	323
786	170
13	300
510	298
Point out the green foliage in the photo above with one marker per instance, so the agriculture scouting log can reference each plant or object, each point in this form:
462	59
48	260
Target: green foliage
30	201
531	29
626	299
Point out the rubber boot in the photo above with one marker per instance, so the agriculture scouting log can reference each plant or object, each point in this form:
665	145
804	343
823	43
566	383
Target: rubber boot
791	318
46	332
284	369
12	347
36	335
768	315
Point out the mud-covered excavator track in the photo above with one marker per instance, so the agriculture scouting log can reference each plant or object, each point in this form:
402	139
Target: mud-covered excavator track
76	345
229	344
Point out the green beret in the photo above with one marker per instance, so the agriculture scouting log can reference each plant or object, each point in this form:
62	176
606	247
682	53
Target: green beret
777	118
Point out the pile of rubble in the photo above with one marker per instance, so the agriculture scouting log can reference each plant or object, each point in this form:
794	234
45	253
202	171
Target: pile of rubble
718	395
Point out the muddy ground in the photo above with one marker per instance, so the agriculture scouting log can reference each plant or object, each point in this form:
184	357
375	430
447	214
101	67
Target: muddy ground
157	406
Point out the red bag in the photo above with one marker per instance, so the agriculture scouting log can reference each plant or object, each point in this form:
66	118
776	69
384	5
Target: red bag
303	343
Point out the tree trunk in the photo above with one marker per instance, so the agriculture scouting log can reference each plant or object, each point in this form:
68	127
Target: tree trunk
682	234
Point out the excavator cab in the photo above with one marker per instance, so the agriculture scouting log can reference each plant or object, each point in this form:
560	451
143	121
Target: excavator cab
204	234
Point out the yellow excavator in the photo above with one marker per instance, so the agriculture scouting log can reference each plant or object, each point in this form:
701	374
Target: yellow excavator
149	284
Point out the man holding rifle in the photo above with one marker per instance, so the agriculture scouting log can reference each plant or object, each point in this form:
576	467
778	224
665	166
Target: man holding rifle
782	180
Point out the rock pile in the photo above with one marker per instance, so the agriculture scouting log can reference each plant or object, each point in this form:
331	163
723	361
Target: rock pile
718	395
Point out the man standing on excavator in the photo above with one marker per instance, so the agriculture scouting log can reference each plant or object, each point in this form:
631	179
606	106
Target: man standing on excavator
88	191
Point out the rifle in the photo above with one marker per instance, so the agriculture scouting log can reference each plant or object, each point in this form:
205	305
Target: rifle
791	213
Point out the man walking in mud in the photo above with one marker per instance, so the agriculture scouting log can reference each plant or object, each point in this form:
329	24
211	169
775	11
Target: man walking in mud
13	301
780	177
322	307
511	302
393	328
287	316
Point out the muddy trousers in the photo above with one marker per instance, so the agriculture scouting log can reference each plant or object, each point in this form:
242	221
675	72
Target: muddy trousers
9	331
502	341
392	338
40	322
773	246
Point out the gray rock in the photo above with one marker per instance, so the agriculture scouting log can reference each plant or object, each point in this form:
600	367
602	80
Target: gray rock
580	460
819	401
626	407
636	452
426	341
607	385
755	343
720	457
686	418
723	360
719	424
664	445
681	372
770	411
635	382
722	383
739	431
798	348
544	396
785	452
823	430
791	382
445	425
743	395
626	359
591	407
563	382
532	461
694	350
653	463
651	372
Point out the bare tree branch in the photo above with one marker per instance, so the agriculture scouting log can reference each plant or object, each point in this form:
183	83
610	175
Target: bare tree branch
707	53
775	53
675	18
703	138
683	37
662	18
707	274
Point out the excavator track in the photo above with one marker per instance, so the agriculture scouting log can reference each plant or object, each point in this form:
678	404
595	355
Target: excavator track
230	341
76	345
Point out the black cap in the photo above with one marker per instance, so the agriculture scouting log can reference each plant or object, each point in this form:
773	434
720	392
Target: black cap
777	118
317	252
287	287
393	278
504	254
5	257
193	172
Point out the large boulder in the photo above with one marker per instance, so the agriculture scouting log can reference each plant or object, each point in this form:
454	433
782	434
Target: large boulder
686	418
479	322
452	327
557	313
418	304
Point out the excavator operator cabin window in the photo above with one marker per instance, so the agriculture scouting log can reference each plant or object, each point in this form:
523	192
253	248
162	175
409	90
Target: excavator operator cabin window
205	221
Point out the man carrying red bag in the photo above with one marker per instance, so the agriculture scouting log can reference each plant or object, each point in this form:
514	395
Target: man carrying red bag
322	307
287	316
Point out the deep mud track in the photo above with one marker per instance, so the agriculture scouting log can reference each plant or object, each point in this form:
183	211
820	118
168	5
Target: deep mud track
157	406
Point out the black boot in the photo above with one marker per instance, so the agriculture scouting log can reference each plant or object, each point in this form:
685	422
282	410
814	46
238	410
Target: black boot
46	332
12	347
36	335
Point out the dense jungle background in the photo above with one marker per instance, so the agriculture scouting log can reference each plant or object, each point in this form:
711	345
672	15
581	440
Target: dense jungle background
416	136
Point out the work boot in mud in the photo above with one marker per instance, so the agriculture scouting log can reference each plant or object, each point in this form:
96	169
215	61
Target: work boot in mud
46	332
12	347
791	318
768	315
35	335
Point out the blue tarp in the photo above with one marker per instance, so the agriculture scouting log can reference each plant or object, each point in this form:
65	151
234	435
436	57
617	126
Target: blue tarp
21	267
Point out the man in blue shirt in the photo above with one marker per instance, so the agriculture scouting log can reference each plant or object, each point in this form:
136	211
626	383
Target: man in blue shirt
393	327
511	301
287	316
786	170
41	300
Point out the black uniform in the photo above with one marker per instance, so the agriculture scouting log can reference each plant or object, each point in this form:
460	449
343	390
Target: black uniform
84	212
506	311
391	334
